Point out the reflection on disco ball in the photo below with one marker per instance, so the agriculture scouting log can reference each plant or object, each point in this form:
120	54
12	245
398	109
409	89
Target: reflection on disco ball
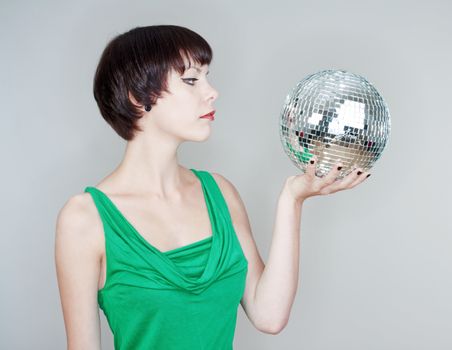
334	115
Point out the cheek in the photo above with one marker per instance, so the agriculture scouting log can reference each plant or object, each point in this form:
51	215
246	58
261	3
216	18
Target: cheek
173	104
178	113
176	116
183	107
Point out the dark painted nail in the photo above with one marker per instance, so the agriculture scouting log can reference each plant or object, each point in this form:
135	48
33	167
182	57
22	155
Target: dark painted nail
367	176
312	162
360	172
339	168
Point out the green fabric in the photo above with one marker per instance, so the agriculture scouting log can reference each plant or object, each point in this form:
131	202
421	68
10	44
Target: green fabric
185	298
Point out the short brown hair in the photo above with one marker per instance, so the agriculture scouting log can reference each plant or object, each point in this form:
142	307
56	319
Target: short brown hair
138	62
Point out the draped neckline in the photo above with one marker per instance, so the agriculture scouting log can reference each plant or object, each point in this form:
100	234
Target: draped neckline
146	242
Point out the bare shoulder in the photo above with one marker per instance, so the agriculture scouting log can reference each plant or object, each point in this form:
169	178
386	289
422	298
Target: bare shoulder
78	221
231	195
225	184
236	208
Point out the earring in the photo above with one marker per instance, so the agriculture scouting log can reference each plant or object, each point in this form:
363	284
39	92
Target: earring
147	108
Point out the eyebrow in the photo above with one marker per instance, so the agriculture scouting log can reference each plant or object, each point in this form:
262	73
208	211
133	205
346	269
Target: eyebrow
197	69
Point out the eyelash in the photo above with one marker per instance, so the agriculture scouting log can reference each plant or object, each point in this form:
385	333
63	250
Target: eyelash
190	79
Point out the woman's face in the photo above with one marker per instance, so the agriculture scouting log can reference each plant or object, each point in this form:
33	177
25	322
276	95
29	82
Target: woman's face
191	96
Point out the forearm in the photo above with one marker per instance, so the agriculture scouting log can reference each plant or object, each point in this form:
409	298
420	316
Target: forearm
277	286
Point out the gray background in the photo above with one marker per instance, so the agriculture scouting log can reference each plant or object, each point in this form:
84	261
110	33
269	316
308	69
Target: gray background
376	261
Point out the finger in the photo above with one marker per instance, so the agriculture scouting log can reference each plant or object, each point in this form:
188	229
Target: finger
311	166
330	184
360	179
353	176
334	172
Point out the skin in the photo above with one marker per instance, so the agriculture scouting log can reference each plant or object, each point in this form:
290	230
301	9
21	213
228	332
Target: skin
159	196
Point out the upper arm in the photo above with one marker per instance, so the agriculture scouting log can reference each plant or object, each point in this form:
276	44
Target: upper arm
242	228
77	259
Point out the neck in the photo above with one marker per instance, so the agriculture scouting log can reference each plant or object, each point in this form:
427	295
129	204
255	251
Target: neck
150	166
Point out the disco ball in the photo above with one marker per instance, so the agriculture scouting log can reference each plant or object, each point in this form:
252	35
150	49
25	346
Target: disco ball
334	115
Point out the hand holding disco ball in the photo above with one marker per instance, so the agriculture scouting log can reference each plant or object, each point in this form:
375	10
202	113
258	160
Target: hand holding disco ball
334	116
301	187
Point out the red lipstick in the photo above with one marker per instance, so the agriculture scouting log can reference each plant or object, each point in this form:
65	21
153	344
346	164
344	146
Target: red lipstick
210	115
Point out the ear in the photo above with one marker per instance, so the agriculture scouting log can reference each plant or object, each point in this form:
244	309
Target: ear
134	101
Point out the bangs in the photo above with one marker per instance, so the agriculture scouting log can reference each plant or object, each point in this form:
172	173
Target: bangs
186	50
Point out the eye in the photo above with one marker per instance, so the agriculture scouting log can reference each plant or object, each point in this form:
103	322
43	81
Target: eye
190	81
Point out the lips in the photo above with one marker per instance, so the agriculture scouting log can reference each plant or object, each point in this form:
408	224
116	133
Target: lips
210	115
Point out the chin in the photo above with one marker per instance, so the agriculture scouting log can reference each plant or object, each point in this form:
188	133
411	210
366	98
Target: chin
199	137
202	136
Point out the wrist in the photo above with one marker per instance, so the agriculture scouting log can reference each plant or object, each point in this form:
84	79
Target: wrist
287	197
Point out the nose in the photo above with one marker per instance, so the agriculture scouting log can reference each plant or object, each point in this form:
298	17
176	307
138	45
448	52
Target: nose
212	94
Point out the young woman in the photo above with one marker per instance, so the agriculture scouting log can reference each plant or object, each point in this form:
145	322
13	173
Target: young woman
165	251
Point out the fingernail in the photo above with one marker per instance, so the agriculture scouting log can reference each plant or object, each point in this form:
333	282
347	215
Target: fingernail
360	172
367	176
312	161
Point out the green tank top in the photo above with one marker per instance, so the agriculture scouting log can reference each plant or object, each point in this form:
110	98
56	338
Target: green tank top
185	298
